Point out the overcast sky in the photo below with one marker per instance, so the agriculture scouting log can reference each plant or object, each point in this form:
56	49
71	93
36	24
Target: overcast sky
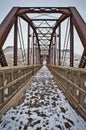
6	5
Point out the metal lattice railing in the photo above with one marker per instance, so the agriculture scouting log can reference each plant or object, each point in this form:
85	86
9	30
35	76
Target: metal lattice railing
73	83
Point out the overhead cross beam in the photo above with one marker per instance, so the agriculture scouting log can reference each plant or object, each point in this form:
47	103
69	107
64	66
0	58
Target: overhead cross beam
24	10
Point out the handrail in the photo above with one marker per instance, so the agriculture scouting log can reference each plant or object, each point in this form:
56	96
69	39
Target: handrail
72	81
13	79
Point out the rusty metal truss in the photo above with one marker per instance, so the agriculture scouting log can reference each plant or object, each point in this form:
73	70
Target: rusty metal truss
44	21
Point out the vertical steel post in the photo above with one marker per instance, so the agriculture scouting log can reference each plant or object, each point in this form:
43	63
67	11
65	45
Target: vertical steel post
28	46
35	51
37	55
33	48
59	46
15	42
55	49
52	52
49	55
71	44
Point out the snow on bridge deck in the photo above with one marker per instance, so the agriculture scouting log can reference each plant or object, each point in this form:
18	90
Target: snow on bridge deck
44	107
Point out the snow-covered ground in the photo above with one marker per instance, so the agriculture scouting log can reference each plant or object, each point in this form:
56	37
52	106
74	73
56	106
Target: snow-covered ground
44	107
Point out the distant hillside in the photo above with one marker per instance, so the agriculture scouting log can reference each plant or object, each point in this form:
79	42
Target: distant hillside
8	51
67	59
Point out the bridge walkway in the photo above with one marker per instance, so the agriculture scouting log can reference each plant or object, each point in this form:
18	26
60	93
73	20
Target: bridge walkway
43	107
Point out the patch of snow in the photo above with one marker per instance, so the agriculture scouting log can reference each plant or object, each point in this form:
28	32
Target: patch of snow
85	84
44	108
6	91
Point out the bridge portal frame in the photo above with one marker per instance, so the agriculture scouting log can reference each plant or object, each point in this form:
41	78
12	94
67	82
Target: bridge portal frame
65	12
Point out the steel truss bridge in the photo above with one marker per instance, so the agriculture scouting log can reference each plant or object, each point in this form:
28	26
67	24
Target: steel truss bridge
44	39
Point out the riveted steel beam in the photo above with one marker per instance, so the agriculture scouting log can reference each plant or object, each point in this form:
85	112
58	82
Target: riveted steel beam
44	19
71	44
59	44
24	10
15	42
33	47
55	49
80	26
7	24
27	19
58	22
28	44
45	28
61	19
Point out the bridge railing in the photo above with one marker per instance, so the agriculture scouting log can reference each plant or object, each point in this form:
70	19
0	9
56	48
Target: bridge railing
73	83
13	79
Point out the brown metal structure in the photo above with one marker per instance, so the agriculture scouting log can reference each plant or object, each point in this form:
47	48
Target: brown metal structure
44	29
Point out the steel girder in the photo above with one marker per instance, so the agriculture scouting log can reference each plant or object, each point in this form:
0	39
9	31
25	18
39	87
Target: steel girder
5	28
44	31
39	29
7	24
24	10
80	26
15	41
